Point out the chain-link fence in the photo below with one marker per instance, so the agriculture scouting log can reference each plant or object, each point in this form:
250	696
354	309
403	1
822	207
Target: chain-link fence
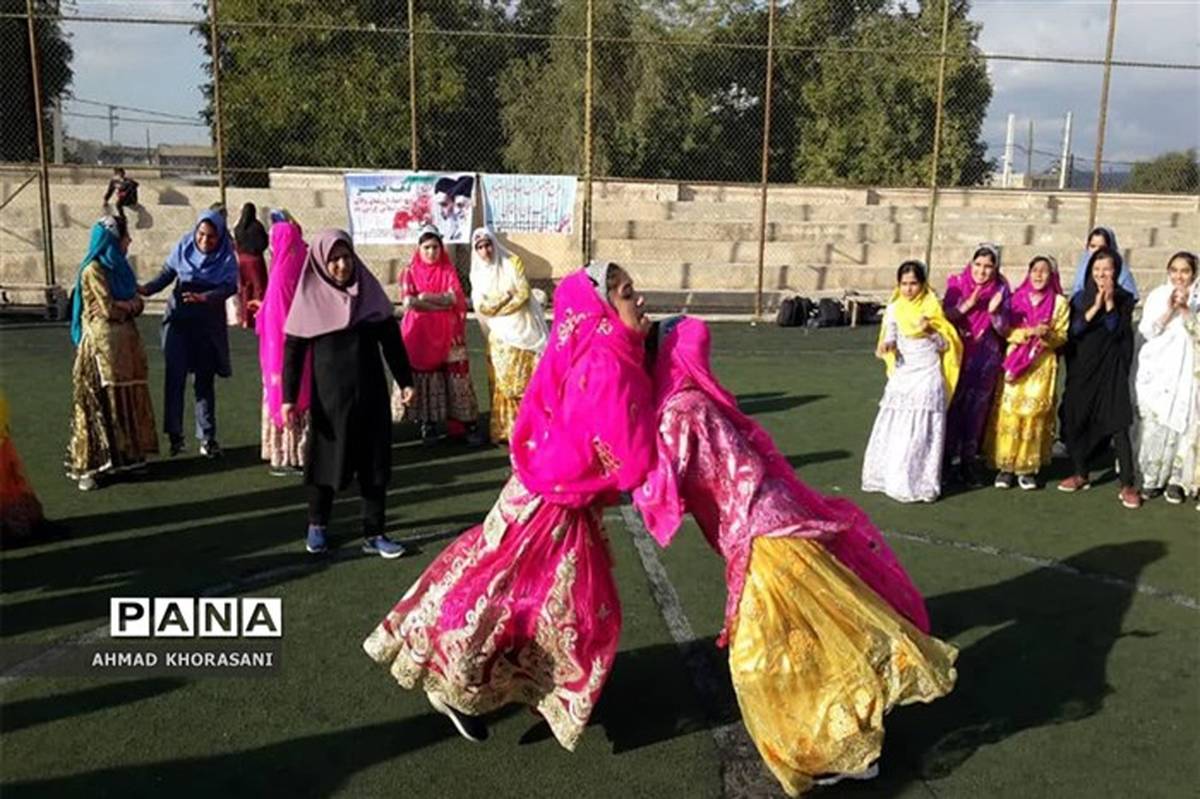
768	117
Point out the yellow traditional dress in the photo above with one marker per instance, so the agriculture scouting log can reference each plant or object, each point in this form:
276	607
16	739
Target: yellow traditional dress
513	322
824	626
112	421
1021	431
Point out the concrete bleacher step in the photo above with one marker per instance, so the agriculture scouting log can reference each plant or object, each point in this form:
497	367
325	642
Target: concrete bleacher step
967	235
837	254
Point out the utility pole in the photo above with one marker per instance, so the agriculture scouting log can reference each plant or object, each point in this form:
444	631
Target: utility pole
1009	138
1064	173
57	120
1029	158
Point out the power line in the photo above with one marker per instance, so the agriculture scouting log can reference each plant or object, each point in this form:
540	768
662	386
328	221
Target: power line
150	111
135	120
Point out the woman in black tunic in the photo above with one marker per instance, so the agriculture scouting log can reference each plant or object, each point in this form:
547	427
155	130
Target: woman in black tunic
1097	405
342	319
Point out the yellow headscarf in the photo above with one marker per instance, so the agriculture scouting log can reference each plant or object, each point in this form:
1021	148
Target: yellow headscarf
908	314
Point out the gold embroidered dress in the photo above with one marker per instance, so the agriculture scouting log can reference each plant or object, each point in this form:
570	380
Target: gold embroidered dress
1021	430
112	420
512	321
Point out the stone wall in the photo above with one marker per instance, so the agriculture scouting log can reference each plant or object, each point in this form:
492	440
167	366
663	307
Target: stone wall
679	240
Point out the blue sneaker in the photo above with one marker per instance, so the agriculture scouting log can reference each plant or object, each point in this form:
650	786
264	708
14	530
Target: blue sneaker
382	546
316	540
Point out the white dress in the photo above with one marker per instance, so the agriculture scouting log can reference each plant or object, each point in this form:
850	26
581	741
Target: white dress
904	455
1167	387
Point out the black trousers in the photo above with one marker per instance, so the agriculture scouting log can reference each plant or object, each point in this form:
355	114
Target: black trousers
374	500
1124	448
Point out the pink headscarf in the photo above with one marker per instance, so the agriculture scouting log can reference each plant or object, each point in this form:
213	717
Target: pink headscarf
683	362
428	335
322	306
288	252
1023	313
585	429
959	287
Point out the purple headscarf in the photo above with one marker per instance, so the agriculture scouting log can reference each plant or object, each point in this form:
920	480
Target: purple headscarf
1023	313
321	305
975	324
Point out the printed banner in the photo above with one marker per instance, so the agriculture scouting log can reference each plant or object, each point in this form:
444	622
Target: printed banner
529	203
392	207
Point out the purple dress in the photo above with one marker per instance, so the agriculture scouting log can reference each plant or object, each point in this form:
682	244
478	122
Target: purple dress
984	341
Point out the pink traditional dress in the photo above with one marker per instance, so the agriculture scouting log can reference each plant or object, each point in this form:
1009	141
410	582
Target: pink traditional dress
282	444
436	342
826	631
523	608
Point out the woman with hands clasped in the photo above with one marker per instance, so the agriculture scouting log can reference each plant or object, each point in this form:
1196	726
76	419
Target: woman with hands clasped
1097	405
1021	430
976	302
1168	384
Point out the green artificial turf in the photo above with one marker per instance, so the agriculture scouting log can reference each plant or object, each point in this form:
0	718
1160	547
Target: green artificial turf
1070	683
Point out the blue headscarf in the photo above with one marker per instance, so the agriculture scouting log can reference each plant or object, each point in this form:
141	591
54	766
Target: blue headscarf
1125	280
105	247
215	268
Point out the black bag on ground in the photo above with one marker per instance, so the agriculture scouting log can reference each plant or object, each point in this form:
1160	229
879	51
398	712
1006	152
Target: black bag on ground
794	312
830	313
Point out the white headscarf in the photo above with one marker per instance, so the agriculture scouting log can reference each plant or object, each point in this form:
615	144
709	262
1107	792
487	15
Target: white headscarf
525	329
1165	381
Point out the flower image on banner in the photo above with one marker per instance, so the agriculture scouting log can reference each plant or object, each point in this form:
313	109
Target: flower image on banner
529	203
392	207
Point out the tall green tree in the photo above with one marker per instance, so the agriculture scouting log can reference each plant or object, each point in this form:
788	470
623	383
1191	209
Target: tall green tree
1175	172
18	117
327	84
869	111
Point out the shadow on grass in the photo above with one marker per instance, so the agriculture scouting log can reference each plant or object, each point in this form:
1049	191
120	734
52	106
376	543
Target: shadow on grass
648	698
774	401
192	464
820	456
1046	665
31	712
313	765
407	469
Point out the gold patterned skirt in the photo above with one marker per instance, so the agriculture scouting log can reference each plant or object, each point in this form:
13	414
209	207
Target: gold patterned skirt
112	418
445	395
509	372
1020	432
282	446
520	609
817	658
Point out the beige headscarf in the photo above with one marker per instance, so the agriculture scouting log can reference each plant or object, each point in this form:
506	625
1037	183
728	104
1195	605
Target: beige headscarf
526	328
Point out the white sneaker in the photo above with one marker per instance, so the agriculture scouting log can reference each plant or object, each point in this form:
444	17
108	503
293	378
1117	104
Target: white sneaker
1027	482
870	773
469	727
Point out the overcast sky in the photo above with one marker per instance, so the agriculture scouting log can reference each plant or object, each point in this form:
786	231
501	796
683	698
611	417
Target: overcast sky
1151	111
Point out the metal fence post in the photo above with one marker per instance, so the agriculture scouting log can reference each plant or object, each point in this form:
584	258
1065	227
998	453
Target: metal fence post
218	122
588	145
1103	123
935	161
412	83
44	185
766	161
